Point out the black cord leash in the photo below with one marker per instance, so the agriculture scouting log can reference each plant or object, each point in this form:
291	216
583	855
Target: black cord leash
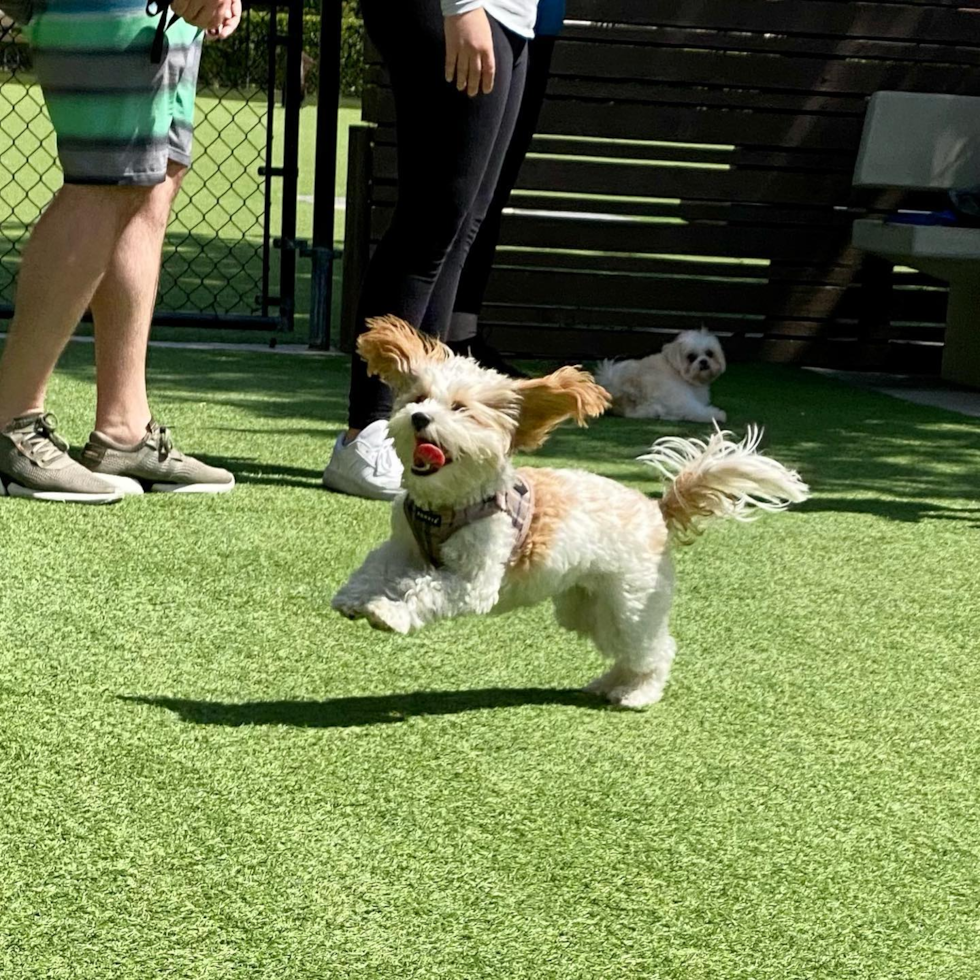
161	7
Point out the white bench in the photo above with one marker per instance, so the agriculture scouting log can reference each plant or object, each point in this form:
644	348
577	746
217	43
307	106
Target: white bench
928	142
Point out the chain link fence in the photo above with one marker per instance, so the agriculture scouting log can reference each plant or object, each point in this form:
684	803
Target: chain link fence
220	265
29	173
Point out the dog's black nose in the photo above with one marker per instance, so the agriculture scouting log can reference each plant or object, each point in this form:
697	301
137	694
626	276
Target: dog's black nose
703	363
420	420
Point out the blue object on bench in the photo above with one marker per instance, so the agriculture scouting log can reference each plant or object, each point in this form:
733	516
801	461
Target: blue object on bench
947	218
964	213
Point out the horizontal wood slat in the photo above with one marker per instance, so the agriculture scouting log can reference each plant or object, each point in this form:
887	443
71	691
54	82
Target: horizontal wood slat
757	70
636	237
691	184
555	288
681	124
702	94
664	83
901	21
685	212
768	187
588	345
830	161
844	269
657	325
829	47
688	211
707	125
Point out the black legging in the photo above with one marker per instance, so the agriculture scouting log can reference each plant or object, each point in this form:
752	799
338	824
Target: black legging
451	148
479	261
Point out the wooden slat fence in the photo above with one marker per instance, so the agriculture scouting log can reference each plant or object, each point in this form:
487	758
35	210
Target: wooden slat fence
693	165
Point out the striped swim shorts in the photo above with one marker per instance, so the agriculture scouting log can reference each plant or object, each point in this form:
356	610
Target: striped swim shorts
119	114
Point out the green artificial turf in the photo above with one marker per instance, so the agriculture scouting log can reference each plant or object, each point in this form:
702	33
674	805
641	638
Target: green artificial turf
205	774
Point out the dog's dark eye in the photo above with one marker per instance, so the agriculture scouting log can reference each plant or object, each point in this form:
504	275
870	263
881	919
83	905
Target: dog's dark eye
709	353
691	358
459	407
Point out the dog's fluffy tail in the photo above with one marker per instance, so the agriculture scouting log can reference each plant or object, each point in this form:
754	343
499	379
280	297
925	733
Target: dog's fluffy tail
719	478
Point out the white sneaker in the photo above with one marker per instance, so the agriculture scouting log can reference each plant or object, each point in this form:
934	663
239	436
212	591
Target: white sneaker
366	466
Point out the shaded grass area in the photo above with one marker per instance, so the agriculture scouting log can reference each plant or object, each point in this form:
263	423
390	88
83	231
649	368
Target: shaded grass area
206	774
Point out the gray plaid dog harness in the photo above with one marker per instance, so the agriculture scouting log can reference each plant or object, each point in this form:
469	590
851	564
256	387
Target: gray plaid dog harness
433	528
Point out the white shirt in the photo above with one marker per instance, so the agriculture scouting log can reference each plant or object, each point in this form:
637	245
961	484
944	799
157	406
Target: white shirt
516	15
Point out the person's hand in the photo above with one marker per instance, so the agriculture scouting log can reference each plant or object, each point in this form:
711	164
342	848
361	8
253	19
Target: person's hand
209	15
228	27
469	52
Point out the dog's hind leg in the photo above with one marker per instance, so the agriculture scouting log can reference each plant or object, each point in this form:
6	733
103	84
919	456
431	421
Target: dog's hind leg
630	625
644	410
637	682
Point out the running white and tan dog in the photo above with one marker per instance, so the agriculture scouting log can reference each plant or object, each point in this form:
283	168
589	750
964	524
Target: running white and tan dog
674	384
473	534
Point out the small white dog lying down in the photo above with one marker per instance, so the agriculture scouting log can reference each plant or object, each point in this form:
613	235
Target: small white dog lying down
473	534
674	384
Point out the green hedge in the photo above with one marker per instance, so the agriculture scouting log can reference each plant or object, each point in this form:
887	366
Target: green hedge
352	49
235	64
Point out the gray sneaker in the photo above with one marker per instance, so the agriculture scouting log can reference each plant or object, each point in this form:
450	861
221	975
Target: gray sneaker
154	465
34	463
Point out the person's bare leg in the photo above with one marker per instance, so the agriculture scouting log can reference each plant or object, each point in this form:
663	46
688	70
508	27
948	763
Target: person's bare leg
64	262
122	308
124	449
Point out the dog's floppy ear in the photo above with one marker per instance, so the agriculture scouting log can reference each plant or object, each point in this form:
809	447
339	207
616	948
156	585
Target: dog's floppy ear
720	355
674	354
394	350
569	393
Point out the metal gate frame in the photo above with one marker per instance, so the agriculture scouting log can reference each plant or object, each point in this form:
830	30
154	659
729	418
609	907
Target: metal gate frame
275	310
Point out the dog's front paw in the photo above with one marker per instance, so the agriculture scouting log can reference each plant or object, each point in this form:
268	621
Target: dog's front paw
389	616
718	414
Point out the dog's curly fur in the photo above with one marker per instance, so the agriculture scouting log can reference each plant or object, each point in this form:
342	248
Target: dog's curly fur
600	551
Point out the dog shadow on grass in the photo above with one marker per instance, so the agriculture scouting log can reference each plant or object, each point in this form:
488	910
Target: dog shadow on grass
381	709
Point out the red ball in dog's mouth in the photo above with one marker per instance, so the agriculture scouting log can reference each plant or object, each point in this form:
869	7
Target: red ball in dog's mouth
428	458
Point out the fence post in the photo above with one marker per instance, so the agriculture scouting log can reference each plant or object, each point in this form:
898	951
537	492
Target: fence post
322	253
357	234
290	169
